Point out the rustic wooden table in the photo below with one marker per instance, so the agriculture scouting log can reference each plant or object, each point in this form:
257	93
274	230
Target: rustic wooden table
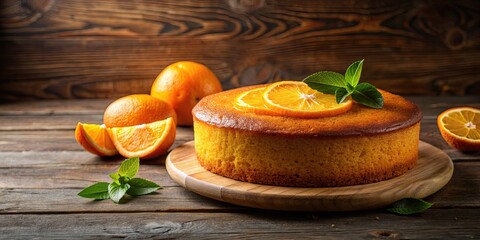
42	169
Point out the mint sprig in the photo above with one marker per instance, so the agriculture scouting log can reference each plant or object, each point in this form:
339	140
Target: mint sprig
409	206
124	182
344	86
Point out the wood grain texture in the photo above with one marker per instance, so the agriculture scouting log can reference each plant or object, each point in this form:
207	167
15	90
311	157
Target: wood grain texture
461	224
68	169
66	200
433	171
55	107
98	49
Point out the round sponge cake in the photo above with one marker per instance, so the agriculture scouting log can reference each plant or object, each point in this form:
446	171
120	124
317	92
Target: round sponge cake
363	145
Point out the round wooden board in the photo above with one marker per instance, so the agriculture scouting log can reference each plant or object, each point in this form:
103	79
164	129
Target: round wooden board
433	171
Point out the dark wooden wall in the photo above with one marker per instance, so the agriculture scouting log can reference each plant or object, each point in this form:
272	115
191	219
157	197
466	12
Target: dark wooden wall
110	48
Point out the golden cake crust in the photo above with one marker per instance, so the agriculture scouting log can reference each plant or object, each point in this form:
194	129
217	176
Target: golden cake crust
363	145
397	113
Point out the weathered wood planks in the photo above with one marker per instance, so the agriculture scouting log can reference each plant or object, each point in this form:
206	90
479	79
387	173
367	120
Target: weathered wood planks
66	200
433	224
97	49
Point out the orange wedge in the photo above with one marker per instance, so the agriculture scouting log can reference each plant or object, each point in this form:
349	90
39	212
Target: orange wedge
95	139
252	101
460	127
297	99
145	140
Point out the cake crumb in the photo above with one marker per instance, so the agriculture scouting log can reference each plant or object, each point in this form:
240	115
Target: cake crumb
333	225
377	218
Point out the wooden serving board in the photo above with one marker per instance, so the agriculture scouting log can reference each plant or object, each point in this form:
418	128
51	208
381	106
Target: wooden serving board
433	171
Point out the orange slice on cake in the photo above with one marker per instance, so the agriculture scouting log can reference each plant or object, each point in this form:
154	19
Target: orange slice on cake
95	139
145	140
460	127
252	101
297	99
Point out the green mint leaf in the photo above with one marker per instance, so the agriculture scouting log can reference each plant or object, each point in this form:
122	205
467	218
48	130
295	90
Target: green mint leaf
352	75
368	95
97	191
344	86
341	94
116	191
409	206
129	167
325	82
140	186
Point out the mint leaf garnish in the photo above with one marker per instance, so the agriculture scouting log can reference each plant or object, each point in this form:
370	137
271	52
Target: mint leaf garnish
368	95
344	86
97	191
129	167
325	82
116	191
409	206
124	182
352	75
140	186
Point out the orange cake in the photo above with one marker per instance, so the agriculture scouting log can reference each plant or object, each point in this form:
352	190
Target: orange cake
362	145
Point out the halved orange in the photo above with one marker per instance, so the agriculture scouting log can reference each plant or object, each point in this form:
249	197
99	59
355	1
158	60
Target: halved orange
460	127
145	140
297	99
136	109
95	139
252	101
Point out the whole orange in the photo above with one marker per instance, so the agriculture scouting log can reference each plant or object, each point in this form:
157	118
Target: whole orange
136	109
182	85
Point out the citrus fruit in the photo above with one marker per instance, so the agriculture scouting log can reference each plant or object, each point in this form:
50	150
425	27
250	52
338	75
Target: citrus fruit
460	127
95	139
252	101
136	109
145	140
297	99
182	85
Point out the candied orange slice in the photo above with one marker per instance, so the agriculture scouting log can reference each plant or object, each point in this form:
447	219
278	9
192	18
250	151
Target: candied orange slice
145	140
297	99
95	139
460	127
252	101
